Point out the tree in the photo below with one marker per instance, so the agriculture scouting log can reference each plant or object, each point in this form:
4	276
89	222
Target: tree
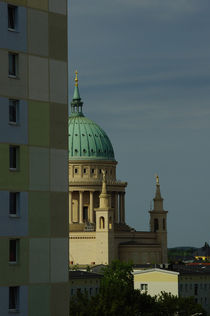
117	297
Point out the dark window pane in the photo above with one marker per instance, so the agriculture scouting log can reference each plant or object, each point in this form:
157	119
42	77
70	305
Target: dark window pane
13	203
12	64
13	157
12	17
156	224
13	250
14	297
13	111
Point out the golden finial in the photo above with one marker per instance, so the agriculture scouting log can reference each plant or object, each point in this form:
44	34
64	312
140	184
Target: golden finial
76	78
157	179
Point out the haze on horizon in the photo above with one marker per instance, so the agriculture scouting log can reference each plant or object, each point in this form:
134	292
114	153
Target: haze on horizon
144	77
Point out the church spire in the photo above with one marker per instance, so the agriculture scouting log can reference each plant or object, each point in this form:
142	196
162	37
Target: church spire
76	104
158	200
104	197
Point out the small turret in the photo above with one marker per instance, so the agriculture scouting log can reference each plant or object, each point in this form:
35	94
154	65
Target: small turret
158	221
104	226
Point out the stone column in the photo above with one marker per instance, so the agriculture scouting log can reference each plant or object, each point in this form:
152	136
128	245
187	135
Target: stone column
70	208
123	207
91	206
116	208
120	207
81	207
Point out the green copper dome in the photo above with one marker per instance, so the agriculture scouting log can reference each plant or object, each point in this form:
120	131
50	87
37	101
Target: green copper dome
87	140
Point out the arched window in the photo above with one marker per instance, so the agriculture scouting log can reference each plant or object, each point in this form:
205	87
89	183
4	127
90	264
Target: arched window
101	222
110	222
156	224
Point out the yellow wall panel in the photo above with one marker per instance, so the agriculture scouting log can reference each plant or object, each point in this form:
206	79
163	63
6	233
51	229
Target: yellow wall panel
38	4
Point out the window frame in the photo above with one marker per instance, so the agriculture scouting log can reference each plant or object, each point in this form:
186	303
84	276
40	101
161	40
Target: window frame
14	10
16	202
14	290
144	287
14	103
13	242
14	166
13	68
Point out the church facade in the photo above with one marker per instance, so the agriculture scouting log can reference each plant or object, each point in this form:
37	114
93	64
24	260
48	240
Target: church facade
97	229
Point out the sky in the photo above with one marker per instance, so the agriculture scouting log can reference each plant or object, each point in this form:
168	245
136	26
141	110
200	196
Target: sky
144	77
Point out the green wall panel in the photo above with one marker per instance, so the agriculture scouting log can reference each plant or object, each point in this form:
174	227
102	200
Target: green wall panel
57	36
14	274
39	300
60	299
14	180
58	118
59	216
39	115
39	214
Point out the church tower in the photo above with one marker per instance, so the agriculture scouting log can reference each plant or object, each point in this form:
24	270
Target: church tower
98	231
105	226
158	221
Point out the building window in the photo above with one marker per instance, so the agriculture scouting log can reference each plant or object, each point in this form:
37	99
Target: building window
13	111
13	65
75	170
14	298
110	222
195	289
84	170
12	17
143	287
156	224
14	199
92	170
101	222
13	250
90	291
13	157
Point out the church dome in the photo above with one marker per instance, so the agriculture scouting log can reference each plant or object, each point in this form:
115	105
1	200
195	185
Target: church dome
87	140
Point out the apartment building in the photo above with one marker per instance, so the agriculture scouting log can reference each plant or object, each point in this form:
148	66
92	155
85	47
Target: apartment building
33	158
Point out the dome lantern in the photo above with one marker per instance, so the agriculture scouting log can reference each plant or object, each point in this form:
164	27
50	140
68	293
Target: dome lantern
76	104
87	140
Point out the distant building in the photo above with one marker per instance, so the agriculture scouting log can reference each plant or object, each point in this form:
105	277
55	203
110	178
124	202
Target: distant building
33	158
84	282
154	281
203	253
98	231
194	280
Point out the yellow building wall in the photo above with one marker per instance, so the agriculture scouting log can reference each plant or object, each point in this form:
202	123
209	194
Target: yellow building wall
82	248
157	282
